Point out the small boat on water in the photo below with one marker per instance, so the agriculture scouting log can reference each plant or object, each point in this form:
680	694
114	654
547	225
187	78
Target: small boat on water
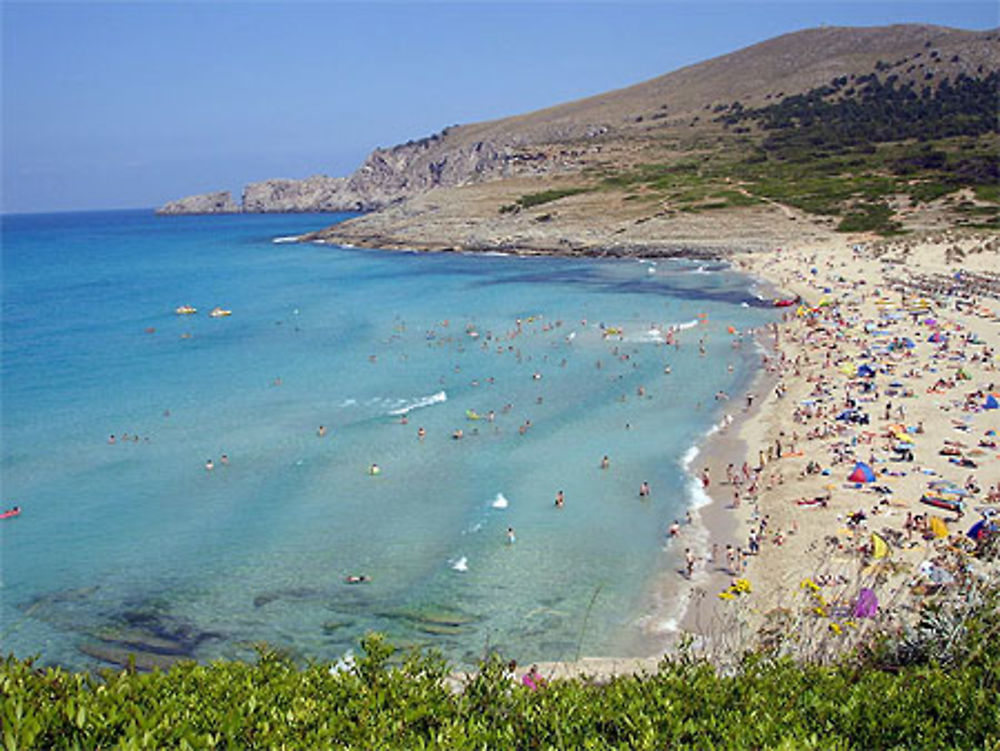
185	310
12	512
220	312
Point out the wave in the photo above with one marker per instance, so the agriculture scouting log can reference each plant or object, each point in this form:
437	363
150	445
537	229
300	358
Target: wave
499	501
423	401
288	239
686	325
459	564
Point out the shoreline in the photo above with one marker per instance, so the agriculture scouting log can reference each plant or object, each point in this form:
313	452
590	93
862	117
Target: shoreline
862	278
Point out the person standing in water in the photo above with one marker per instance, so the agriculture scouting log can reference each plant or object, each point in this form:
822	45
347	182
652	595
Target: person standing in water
510	536
560	499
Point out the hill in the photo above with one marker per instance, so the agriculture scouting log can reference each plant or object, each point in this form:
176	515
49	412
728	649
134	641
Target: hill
887	119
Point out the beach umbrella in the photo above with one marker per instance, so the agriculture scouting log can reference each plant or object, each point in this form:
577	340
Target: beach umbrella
880	548
862	473
991	402
866	605
938	527
981	529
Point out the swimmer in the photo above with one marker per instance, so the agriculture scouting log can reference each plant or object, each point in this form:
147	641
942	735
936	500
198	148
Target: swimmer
560	499
421	433
209	465
374	469
675	529
458	434
404	420
510	536
356	579
605	462
644	490
224	460
111	439
321	431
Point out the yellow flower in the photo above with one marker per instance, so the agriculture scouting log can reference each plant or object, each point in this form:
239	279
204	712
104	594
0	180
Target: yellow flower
835	628
742	585
809	584
851	624
820	612
727	595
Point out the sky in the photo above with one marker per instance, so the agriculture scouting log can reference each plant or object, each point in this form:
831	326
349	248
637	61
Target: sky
131	104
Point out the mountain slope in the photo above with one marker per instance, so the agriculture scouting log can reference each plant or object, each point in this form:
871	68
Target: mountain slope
653	121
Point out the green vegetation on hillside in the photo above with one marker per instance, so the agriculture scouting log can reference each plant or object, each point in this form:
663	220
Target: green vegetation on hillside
935	687
848	150
530	200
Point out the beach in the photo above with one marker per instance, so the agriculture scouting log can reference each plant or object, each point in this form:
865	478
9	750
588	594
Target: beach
810	534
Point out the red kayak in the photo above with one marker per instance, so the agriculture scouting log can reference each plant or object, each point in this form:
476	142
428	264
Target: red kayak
11	512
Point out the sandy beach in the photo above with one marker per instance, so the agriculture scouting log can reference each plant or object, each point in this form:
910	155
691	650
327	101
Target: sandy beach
888	358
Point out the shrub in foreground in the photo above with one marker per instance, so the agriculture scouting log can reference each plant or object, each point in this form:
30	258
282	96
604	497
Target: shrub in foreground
687	704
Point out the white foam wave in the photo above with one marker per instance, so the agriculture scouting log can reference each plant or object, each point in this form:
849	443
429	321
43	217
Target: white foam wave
499	501
686	325
689	456
423	401
647	337
696	491
460	564
288	239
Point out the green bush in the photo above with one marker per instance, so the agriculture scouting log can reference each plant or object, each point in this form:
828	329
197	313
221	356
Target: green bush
763	703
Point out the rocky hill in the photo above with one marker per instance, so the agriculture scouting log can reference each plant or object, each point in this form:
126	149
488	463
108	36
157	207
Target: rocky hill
706	108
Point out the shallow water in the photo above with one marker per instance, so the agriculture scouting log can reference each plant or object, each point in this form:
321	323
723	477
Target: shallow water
132	541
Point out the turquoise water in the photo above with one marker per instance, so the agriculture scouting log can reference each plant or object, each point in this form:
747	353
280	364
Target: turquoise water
133	541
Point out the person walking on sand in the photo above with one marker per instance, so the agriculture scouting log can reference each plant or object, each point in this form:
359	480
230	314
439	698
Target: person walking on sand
705	480
689	562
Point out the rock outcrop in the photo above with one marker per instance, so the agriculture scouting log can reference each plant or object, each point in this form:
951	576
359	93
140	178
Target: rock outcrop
220	202
316	193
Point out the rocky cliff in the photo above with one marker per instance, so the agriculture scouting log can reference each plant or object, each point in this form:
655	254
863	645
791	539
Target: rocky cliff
220	202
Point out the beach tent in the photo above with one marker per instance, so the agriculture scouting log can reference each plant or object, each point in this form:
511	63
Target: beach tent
937	337
862	473
991	402
866	371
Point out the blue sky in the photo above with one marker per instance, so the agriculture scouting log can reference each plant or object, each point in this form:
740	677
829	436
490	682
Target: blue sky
131	104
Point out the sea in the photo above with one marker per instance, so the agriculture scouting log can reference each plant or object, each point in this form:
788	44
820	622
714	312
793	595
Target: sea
370	441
